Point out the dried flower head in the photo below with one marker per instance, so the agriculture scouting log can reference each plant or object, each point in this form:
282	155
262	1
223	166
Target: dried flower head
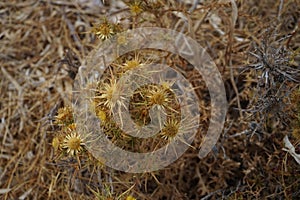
64	116
170	130
73	143
275	78
104	30
132	64
136	7
159	95
108	93
272	60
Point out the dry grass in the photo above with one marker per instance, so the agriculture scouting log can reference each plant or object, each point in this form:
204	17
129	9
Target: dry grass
42	44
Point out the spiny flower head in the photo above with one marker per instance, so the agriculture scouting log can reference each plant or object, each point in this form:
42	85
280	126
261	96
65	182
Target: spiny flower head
132	63
64	116
73	143
159	95
104	30
171	128
108	93
136	7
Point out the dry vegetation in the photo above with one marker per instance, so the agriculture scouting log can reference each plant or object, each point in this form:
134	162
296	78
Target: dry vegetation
43	43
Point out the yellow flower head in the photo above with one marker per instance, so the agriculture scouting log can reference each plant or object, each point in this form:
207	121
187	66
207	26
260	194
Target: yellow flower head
131	64
104	31
159	95
170	130
109	93
136	7
73	143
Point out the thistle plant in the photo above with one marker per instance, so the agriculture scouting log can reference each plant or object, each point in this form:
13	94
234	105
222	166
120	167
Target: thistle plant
108	96
67	141
273	70
275	75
